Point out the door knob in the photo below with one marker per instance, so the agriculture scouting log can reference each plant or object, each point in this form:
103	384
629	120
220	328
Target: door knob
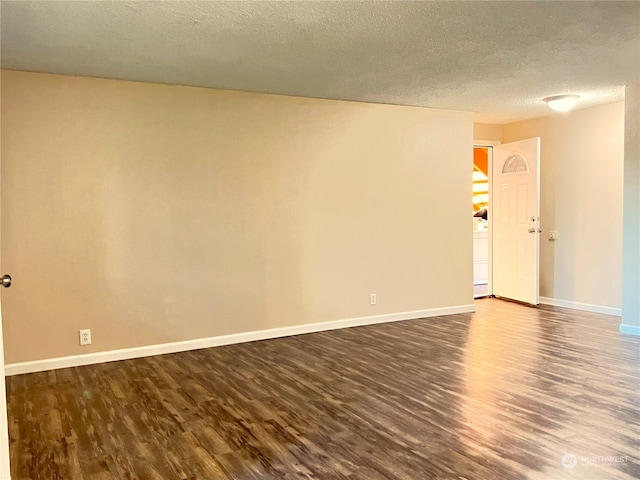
5	281
532	230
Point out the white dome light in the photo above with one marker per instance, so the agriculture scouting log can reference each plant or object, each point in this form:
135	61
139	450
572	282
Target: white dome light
561	103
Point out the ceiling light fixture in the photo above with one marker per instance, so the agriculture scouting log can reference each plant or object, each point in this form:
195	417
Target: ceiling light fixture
561	103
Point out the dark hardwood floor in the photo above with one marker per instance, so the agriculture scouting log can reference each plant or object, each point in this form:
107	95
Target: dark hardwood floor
504	393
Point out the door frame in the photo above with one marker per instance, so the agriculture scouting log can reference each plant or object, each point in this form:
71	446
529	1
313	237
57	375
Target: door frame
489	144
5	469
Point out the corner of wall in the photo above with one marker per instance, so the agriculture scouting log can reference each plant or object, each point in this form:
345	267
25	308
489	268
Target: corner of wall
631	214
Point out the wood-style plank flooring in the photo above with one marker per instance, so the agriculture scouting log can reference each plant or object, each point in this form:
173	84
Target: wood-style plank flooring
504	393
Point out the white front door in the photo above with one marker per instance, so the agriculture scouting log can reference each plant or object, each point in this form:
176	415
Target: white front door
516	220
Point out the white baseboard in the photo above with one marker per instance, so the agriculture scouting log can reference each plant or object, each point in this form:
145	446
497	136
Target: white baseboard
630	329
147	351
581	306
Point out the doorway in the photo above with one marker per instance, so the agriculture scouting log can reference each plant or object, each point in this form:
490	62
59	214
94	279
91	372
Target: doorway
482	164
506	222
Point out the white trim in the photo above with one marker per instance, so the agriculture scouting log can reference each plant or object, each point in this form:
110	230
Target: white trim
490	216
149	350
5	470
581	306
486	143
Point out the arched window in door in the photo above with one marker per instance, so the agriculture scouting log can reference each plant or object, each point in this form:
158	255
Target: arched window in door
515	163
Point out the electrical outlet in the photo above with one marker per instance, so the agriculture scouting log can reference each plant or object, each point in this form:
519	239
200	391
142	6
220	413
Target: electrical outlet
85	337
373	299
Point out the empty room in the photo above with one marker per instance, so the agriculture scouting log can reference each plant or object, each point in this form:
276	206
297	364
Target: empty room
319	240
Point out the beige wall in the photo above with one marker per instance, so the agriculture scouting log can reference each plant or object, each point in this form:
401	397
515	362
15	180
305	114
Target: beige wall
581	198
154	213
487	132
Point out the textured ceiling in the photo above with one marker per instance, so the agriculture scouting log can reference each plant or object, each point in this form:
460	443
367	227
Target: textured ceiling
498	59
